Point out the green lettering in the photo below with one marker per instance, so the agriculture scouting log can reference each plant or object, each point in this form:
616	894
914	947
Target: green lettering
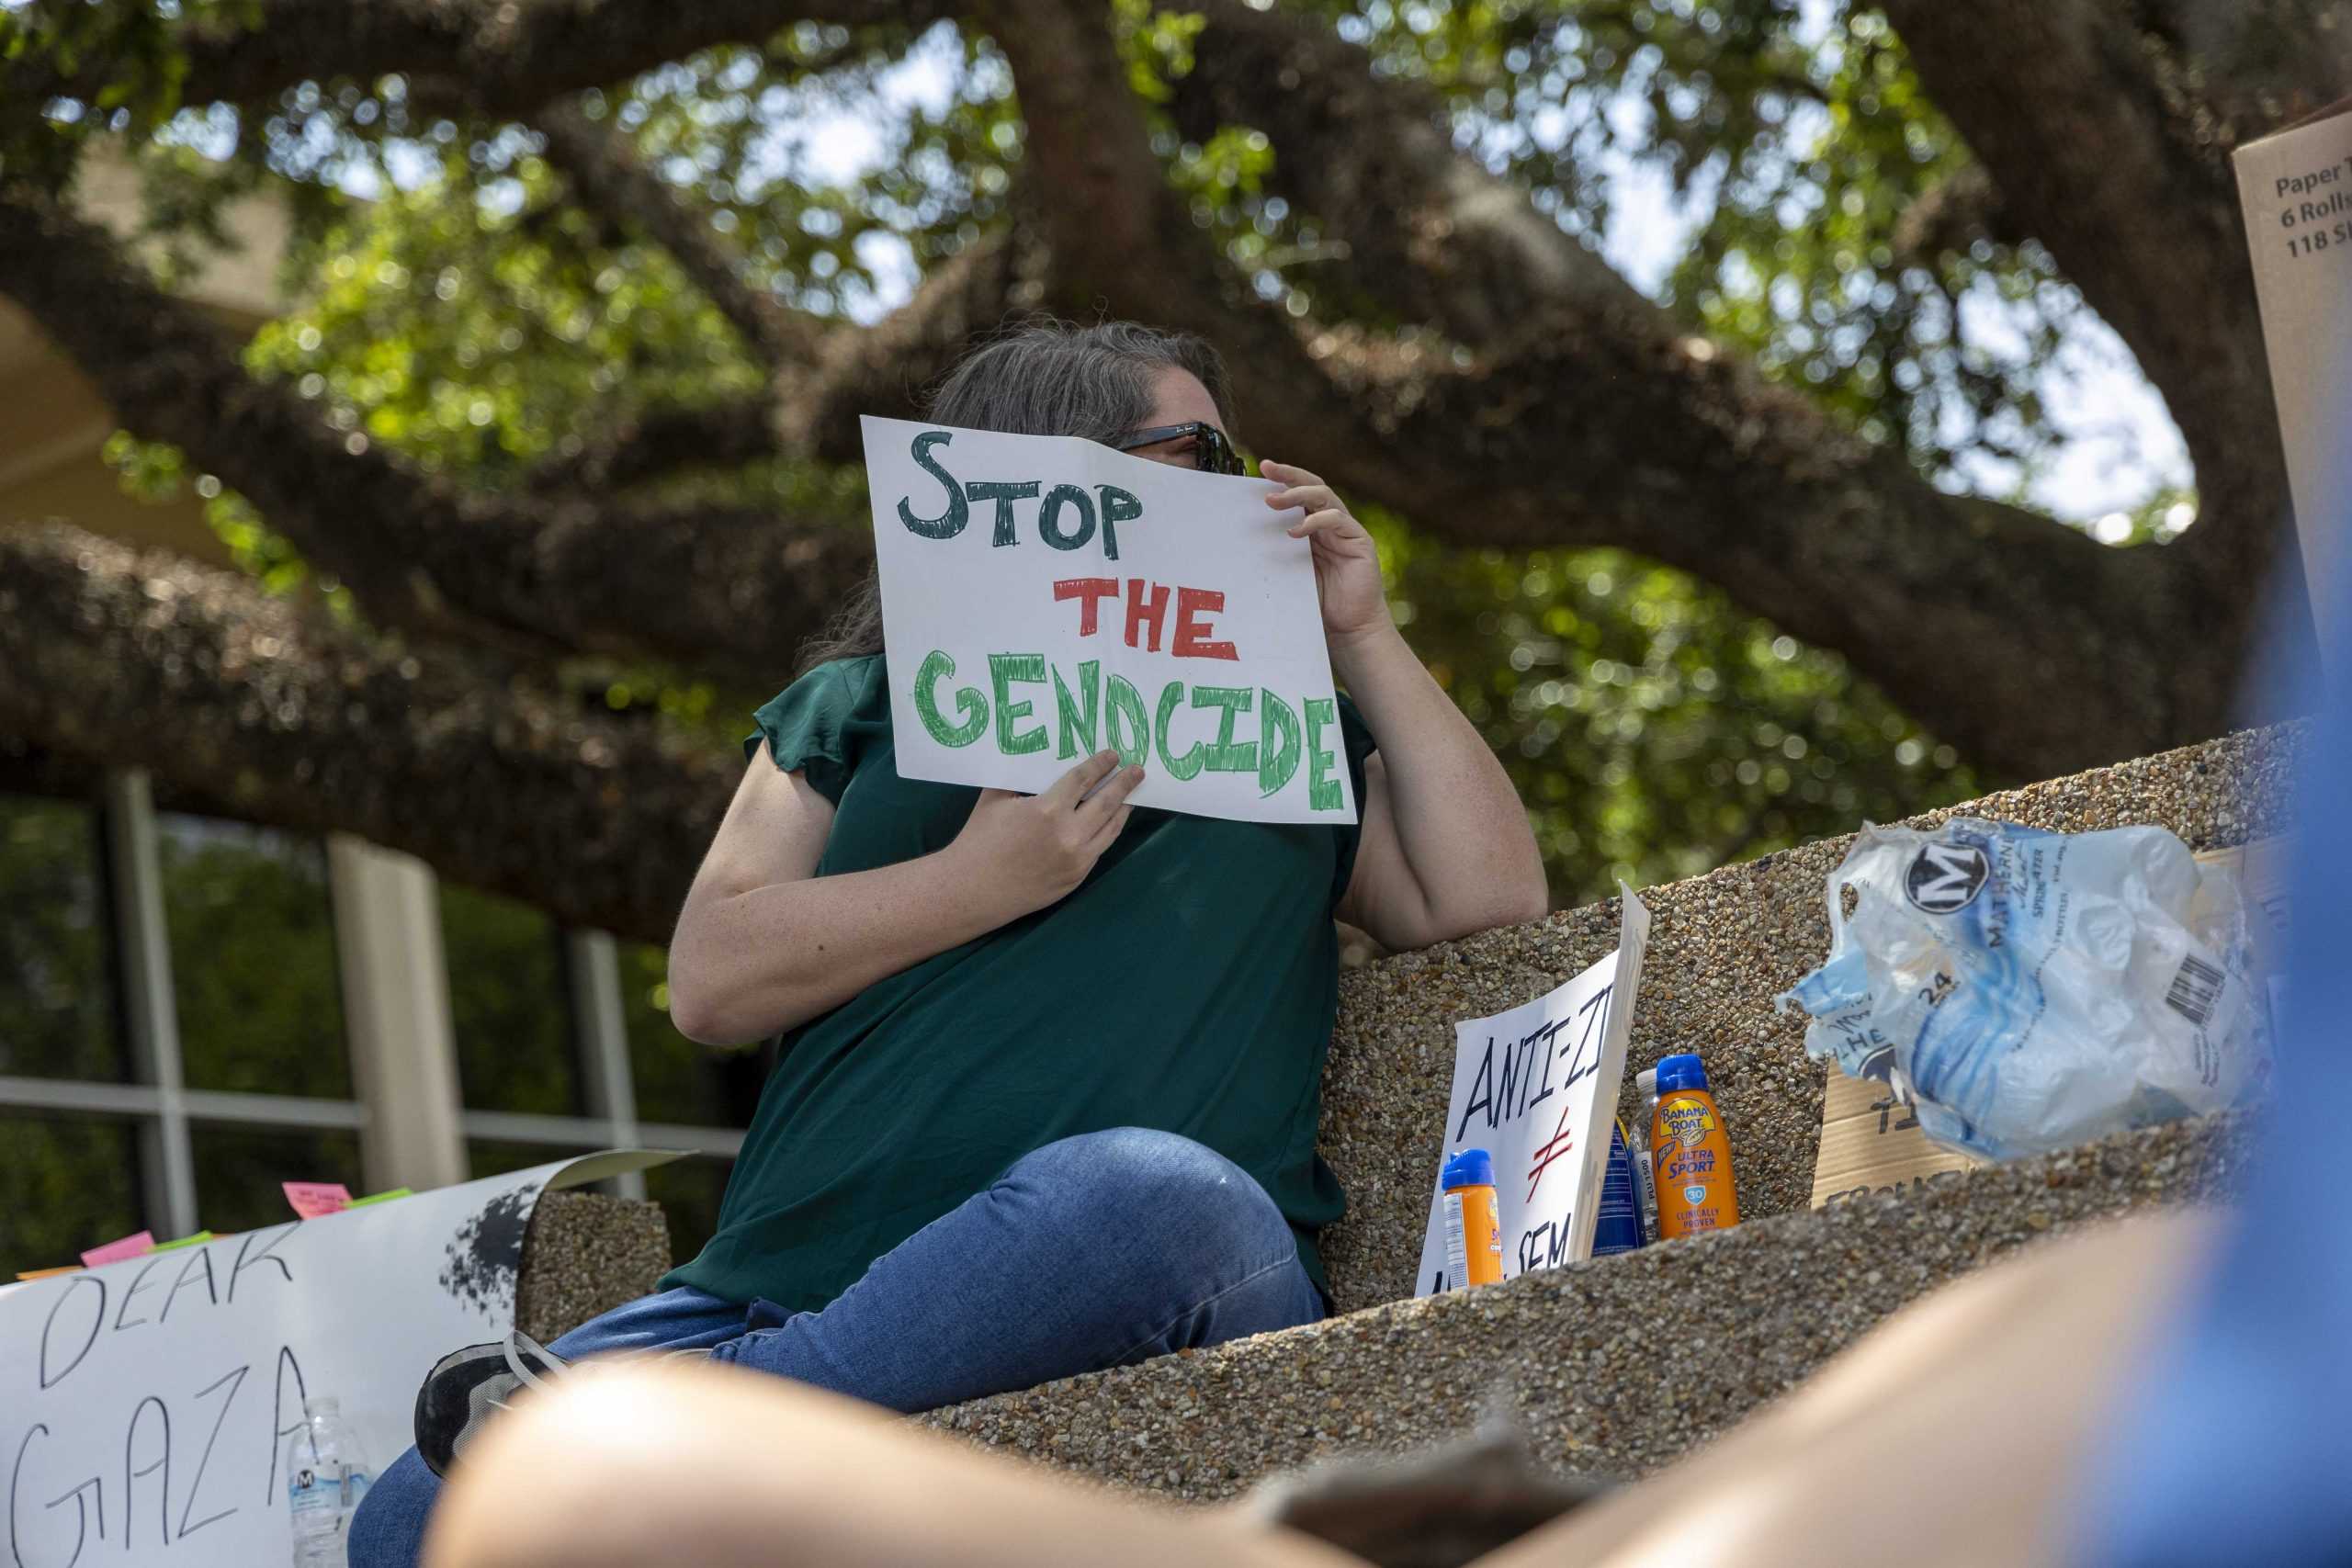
1004	669
1322	785
1075	723
1277	744
1226	755
1187	766
1004	492
1050	518
969	703
1124	702
950	523
1118	506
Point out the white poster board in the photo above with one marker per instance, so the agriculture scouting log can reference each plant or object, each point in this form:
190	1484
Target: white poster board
145	1406
2296	188
1536	1088
1043	597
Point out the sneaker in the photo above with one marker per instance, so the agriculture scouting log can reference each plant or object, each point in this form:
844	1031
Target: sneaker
466	1386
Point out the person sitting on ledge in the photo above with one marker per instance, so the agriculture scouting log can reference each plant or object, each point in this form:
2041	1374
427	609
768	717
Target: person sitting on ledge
1050	1073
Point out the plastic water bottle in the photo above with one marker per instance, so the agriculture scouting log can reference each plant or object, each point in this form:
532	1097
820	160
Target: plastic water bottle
326	1475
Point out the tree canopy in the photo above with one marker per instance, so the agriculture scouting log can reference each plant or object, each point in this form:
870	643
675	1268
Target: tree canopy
539	484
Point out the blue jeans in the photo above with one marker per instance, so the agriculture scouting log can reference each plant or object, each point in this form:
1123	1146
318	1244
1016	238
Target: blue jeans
1097	1251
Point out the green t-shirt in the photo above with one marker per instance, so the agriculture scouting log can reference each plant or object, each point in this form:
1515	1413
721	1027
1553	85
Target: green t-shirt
1189	984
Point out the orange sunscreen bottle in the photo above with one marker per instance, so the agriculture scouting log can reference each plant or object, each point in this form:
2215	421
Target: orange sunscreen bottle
1473	1232
1691	1155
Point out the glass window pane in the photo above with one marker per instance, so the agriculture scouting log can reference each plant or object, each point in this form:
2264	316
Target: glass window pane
508	1005
677	1080
66	1184
688	1192
56	988
253	958
237	1170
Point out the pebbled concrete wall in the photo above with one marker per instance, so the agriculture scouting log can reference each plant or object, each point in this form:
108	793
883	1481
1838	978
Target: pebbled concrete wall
1720	947
1614	1366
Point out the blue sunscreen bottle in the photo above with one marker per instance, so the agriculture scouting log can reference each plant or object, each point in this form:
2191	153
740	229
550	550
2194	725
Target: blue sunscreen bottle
1617	1223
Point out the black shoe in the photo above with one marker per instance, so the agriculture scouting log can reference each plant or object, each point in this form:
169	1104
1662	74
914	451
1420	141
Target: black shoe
466	1386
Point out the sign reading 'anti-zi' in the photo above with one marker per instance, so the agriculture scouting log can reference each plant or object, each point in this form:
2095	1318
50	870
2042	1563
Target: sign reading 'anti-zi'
1045	597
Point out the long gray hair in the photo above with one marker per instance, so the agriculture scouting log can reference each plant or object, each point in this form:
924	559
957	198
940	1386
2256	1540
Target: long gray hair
1039	377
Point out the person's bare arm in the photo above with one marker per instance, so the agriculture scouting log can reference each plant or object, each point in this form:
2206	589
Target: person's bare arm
763	944
1445	848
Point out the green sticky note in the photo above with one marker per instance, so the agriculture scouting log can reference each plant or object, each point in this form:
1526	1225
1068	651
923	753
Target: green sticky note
380	1197
197	1239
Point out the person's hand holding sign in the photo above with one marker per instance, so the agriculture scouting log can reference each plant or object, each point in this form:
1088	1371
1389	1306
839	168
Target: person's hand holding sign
1034	849
1347	562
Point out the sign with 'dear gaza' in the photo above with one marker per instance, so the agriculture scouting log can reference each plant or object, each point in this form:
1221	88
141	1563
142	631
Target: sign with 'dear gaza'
147	1406
1045	597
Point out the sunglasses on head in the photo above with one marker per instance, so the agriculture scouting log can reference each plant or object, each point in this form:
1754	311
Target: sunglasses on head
1212	453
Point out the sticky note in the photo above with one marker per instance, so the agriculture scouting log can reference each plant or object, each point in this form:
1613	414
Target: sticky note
136	1246
197	1240
385	1197
313	1199
45	1273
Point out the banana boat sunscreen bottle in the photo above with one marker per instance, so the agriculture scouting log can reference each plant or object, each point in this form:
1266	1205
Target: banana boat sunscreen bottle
1690	1153
1473	1232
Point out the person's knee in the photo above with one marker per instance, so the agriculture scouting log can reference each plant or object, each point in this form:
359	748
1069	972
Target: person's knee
1194	1202
388	1529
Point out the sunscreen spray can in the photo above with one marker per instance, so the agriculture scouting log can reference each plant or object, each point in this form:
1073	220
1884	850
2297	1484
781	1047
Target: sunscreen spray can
1617	1218
1473	1232
1693	1157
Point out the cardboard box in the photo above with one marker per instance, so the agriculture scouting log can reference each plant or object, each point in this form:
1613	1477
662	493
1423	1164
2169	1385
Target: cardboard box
1870	1143
2296	189
1869	1140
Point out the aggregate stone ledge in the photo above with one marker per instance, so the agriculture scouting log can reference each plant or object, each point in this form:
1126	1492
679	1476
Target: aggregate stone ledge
1615	1367
583	1255
1721	946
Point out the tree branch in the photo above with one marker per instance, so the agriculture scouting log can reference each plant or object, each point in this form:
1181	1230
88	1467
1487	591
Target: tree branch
268	709
636	445
514	57
1589	417
605	174
2123	180
728	592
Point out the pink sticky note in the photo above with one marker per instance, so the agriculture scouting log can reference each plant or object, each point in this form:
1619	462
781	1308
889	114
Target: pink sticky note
313	1199
115	1251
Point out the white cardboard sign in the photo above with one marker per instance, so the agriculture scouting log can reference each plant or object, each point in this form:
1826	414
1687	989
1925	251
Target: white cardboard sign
1536	1088
1043	597
145	1406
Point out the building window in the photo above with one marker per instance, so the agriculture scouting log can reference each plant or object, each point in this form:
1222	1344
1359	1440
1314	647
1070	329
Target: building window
508	1005
173	1040
67	1182
254	975
57	992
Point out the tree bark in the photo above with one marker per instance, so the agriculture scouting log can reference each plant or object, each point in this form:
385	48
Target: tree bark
270	711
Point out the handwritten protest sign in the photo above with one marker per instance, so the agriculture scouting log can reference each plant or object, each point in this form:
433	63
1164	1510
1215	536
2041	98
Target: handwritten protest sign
145	1406
1536	1088
1045	597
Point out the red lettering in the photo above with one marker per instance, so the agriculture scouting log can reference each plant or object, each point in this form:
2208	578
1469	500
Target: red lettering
1192	634
1088	591
1146	611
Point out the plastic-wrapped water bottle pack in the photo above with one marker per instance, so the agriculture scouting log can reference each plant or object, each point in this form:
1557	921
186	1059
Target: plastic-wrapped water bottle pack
2030	990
